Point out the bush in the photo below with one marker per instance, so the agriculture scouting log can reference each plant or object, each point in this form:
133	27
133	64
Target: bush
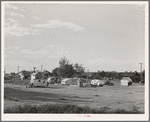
110	84
67	108
107	82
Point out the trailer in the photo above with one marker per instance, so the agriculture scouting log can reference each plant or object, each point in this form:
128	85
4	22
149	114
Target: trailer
38	83
96	82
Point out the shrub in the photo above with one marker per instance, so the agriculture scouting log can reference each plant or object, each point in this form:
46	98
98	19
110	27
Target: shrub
107	82
64	108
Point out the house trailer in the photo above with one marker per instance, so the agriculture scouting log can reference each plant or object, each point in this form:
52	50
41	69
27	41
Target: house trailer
39	83
96	82
72	81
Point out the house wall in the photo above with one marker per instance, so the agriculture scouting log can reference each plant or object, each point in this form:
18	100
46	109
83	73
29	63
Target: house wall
39	82
124	82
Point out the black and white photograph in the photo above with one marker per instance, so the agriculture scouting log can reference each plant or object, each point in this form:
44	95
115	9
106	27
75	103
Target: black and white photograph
74	61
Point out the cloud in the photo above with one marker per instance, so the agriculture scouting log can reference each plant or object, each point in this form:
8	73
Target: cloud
7	48
17	47
10	6
36	17
8	53
13	28
59	24
12	14
27	51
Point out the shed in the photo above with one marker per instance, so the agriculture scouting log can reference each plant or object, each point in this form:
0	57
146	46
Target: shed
126	81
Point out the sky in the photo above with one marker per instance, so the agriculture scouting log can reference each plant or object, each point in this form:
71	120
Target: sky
109	37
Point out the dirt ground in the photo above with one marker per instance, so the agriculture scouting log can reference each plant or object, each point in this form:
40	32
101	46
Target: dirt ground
111	97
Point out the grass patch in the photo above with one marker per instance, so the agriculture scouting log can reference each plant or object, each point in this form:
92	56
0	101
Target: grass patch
11	98
64	108
17	81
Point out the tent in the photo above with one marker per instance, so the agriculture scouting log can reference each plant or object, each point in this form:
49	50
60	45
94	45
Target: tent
126	81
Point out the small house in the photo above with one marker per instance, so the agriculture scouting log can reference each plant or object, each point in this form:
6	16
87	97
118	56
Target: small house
126	81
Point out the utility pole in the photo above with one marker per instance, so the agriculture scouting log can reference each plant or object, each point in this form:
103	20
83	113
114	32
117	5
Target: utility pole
141	70
41	67
34	68
140	67
18	69
87	75
5	70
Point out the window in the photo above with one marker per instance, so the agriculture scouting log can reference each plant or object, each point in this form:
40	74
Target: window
43	81
39	80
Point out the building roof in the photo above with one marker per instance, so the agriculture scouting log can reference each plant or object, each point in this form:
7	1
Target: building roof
126	78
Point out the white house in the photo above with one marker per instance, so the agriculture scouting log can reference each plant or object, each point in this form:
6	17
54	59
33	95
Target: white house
126	81
21	76
33	75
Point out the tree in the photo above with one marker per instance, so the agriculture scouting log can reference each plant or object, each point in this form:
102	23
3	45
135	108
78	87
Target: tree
79	68
101	74
65	71
68	70
54	72
63	61
25	73
143	75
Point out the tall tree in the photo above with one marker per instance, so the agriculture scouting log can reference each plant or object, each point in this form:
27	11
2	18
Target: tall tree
79	68
63	61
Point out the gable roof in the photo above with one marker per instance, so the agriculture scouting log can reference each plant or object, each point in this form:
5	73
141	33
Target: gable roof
126	78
